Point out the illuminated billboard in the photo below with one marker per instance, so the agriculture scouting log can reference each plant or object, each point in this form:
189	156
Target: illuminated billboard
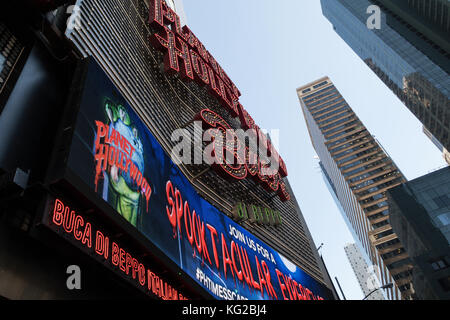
119	160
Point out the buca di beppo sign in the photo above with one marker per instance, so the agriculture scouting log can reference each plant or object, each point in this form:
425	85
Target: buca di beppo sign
187	56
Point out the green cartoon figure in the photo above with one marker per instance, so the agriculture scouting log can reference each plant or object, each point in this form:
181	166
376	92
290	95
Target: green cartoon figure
124	192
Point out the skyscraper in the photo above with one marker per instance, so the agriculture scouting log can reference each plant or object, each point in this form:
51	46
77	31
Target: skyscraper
407	53
420	215
425	24
362	272
360	173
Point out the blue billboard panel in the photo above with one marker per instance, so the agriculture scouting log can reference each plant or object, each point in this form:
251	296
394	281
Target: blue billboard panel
116	155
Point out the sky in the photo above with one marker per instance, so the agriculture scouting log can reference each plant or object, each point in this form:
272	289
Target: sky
269	49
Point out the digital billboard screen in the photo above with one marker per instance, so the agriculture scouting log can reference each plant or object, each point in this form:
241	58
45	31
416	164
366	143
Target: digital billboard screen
117	157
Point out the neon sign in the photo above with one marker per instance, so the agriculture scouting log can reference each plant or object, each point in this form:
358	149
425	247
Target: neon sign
79	229
187	56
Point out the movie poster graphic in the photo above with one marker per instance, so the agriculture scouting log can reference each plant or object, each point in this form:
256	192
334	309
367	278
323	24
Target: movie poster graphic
116	155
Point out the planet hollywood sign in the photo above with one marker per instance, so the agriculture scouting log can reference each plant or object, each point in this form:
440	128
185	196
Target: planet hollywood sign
186	56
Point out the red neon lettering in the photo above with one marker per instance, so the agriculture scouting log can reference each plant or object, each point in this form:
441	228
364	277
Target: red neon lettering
122	260
156	285
115	254
76	232
149	280
176	52
87	235
141	274
200	69
214	82
161	14
72	223
195	44
69	217
134	267
101	245
58	213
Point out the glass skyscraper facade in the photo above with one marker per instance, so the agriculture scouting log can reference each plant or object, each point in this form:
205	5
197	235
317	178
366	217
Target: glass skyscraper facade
425	24
421	84
420	215
359	173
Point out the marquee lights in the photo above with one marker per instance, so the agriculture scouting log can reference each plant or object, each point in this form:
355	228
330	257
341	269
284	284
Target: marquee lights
186	55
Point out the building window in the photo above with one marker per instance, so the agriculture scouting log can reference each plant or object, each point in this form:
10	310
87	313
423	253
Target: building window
439	265
320	84
444	218
442	201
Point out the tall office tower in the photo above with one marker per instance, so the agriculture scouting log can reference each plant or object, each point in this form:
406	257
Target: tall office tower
360	173
362	272
420	215
400	55
425	24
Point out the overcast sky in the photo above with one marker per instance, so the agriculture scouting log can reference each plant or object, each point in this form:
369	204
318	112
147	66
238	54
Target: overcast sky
270	48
